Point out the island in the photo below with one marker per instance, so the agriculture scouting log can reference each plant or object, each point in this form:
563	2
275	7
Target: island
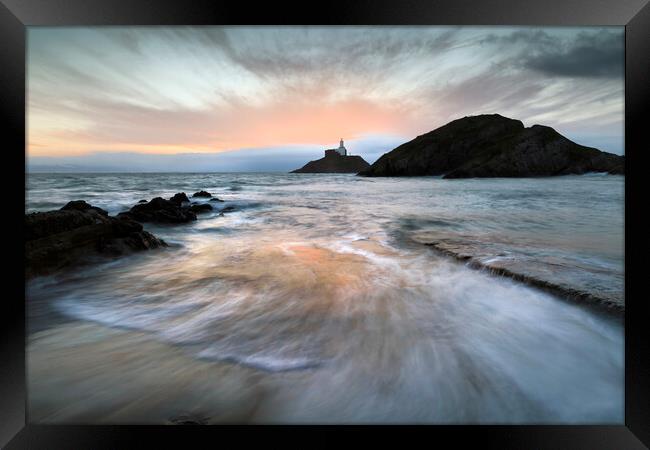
336	160
491	145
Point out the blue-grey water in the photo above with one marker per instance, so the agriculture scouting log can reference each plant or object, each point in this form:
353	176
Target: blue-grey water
316	301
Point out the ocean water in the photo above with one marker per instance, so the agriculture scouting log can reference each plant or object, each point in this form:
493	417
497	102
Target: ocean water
318	291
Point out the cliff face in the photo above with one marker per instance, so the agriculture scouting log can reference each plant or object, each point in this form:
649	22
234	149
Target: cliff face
335	163
493	146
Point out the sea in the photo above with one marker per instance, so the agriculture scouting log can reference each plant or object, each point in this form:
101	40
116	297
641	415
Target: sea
315	300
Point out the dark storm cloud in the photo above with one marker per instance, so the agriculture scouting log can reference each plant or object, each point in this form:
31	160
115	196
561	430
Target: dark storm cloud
538	38
588	54
599	55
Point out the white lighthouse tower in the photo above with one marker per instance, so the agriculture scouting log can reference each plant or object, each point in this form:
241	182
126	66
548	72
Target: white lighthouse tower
342	150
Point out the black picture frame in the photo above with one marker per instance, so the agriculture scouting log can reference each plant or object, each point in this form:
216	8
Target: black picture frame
16	15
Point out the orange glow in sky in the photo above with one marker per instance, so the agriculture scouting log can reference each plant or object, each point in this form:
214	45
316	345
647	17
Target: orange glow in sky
160	90
245	127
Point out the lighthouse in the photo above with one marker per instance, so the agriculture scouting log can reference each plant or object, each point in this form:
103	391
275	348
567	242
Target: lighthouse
336	160
336	152
342	150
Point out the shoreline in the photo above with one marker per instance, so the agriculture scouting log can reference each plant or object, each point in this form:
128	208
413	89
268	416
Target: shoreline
105	370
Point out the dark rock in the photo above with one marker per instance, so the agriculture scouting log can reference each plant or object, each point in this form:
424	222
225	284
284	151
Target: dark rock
332	162
491	145
200	207
142	201
215	199
77	234
80	205
179	198
228	209
39	225
190	419
161	211
124	226
202	194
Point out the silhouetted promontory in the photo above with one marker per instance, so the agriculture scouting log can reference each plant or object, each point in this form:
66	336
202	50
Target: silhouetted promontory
332	162
491	145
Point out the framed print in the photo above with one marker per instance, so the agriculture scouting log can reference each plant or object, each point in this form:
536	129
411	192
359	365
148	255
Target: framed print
415	216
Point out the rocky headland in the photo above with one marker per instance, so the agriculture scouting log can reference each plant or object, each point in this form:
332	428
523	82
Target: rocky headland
332	162
491	145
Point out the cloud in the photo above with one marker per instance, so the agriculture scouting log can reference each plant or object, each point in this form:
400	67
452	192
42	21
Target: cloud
591	55
595	53
209	89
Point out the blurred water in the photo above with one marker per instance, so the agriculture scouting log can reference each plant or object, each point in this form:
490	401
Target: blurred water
317	284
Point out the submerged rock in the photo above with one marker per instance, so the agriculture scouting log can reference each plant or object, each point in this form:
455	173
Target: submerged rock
160	210
190	419
491	145
76	233
527	275
215	199
202	194
175	210
200	207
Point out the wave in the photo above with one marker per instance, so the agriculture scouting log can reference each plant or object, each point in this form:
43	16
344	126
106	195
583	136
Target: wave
610	303
597	174
264	362
328	281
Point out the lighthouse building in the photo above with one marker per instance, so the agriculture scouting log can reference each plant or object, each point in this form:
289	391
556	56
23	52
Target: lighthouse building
341	150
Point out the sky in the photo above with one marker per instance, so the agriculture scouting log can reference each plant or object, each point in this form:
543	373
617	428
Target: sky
272	98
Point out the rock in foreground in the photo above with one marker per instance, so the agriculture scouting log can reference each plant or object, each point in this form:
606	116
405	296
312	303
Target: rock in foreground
334	163
76	233
180	198
177	209
200	207
493	146
160	210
